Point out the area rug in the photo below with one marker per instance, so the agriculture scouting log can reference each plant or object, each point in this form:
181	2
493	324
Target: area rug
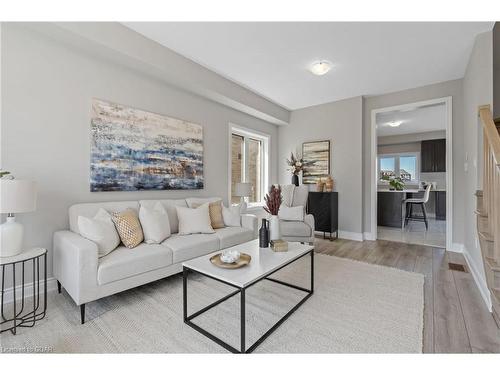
356	308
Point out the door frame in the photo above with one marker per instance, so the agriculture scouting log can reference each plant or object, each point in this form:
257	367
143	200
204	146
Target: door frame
448	102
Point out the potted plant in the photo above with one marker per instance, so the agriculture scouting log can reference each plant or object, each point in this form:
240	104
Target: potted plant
295	165
273	202
395	183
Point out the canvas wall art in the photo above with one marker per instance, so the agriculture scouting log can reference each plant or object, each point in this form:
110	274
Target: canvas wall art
132	149
316	157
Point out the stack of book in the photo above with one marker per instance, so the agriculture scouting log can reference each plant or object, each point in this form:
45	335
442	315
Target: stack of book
279	245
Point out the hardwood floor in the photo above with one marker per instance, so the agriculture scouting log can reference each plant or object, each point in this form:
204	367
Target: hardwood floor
456	319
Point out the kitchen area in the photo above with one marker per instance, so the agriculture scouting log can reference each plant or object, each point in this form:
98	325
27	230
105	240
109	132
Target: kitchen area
411	170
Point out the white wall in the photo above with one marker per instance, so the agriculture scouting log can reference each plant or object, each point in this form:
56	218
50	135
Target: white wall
439	90
341	123
477	90
47	90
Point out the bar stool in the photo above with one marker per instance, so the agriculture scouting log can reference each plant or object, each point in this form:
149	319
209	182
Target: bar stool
417	201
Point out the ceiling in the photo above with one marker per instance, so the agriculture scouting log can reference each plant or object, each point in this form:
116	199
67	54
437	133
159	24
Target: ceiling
272	59
419	120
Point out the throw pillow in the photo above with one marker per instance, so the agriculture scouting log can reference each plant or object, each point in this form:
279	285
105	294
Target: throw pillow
194	220
232	216
215	212
100	230
196	202
155	223
129	227
291	213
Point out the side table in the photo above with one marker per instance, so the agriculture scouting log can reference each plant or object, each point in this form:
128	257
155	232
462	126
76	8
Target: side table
19	314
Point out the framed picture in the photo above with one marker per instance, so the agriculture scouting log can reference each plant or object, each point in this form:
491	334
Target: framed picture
316	157
132	149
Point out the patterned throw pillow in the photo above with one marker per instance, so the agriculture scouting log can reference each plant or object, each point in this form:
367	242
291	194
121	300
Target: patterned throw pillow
215	211
129	227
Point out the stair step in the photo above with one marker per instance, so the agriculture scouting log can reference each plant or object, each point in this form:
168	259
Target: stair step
486	236
492	264
481	213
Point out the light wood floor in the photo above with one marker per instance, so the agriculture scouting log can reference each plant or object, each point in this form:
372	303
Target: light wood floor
456	319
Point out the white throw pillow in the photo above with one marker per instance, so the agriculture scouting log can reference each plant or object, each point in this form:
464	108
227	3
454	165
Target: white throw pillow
194	220
100	230
155	223
196	202
231	216
291	213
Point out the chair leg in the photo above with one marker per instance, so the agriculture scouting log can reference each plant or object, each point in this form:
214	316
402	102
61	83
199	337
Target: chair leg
82	313
425	217
407	216
58	287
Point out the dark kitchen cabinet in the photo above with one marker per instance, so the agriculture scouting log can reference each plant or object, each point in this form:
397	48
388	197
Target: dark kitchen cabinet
389	211
324	206
433	156
440	205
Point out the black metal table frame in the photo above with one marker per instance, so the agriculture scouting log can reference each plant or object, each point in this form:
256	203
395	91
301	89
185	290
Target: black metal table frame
29	318
241	291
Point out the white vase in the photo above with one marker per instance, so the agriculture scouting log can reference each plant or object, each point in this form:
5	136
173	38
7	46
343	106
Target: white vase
274	228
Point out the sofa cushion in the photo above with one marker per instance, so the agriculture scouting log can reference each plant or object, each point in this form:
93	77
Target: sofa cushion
170	206
124	262
191	246
231	236
295	229
90	210
192	202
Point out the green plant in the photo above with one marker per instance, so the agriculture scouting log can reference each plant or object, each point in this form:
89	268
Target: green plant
395	182
3	173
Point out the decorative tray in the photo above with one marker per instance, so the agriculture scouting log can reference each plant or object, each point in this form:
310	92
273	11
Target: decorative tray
241	262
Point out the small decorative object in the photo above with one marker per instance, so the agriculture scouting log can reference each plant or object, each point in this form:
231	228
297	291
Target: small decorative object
264	234
16	196
329	184
316	157
273	201
230	256
132	149
242	261
242	190
320	185
279	246
295	164
395	183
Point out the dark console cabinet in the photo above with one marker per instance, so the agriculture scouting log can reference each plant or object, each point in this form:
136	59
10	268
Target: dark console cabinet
433	156
324	207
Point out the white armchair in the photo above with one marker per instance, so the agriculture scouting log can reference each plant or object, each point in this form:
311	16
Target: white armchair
292	230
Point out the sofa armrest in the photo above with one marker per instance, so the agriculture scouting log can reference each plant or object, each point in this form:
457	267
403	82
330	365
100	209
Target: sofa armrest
309	220
75	264
249	221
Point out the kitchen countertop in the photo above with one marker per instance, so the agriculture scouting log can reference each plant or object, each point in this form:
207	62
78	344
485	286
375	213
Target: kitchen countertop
407	190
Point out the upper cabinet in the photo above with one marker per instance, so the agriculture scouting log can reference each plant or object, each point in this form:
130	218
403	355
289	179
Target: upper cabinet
433	156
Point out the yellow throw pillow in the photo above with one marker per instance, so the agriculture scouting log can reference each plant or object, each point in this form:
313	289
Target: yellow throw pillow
129	227
215	212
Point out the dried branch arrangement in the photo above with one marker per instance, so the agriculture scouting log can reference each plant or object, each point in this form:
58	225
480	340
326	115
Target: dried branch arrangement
273	200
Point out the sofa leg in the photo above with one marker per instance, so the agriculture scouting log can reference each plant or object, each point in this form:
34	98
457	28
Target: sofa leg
58	287
82	313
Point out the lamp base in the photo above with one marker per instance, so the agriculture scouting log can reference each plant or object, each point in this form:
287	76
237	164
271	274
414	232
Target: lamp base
11	237
243	206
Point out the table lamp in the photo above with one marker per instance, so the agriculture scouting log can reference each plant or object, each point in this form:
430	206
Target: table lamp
243	189
16	196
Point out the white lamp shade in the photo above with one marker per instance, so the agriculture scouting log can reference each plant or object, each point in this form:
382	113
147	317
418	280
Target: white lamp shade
17	196
243	189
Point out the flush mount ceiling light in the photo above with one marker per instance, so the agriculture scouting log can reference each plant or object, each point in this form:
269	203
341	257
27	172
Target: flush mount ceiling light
394	124
321	67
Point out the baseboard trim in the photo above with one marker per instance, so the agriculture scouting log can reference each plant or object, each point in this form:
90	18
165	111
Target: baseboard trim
456	247
355	236
28	290
480	281
369	236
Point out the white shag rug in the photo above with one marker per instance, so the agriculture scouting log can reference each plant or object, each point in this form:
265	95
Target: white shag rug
356	308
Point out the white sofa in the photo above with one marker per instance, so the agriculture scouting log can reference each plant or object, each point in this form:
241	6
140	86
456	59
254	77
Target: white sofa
86	277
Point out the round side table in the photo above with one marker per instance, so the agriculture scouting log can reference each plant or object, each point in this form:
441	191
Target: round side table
17	313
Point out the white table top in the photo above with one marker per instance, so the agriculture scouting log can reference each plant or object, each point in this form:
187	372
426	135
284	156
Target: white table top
264	262
24	255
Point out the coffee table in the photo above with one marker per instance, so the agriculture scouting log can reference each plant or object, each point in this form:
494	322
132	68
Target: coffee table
264	263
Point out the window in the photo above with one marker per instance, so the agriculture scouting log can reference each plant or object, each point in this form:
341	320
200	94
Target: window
403	165
249	163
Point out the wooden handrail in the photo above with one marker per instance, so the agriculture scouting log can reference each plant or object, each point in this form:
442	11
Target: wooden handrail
491	132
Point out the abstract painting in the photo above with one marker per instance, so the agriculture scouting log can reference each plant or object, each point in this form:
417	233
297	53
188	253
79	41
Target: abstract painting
316	157
132	149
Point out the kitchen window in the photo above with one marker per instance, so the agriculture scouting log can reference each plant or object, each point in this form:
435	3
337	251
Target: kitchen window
403	165
249	163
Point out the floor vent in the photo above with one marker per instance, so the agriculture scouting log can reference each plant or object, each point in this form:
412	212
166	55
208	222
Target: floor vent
457	267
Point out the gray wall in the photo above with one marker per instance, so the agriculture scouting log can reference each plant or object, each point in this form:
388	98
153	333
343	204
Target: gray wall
478	90
449	88
341	123
47	90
